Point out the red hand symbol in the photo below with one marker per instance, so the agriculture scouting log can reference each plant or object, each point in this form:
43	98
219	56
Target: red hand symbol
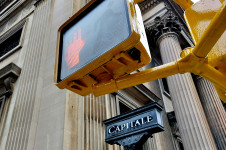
72	56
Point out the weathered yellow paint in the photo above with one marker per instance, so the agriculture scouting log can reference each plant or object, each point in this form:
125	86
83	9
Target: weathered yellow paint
222	1
199	19
184	3
115	63
138	1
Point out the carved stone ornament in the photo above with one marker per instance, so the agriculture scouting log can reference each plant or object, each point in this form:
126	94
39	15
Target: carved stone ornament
162	26
8	76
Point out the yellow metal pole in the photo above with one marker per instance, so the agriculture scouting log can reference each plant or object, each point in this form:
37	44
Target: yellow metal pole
222	1
148	75
138	1
221	93
211	35
213	75
137	78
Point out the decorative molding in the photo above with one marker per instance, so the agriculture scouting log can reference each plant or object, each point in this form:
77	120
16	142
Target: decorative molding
37	2
167	35
127	99
15	37
149	94
6	5
13	6
162	26
148	4
8	76
171	7
178	11
12	30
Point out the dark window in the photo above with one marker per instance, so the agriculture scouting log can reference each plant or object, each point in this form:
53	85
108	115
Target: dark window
181	146
224	104
10	43
165	85
123	108
2	103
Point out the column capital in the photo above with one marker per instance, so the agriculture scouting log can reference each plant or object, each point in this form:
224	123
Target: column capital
164	27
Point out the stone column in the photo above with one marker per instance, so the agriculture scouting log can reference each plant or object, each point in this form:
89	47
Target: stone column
214	110
193	126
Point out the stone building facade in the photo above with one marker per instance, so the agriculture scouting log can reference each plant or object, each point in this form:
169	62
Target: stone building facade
35	114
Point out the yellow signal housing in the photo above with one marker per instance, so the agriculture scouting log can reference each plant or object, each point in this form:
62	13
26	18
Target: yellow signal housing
109	71
100	43
184	3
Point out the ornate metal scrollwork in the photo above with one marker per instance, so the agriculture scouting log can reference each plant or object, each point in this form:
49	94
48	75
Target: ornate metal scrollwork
133	142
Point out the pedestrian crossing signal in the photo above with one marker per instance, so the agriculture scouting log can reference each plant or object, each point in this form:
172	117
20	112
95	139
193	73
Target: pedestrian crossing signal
103	41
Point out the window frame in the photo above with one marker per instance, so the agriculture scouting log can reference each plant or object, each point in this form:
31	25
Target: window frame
7	7
2	118
6	35
164	88
10	8
3	99
124	101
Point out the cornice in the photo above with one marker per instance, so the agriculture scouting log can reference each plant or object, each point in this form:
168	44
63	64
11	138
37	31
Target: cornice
9	9
37	2
148	4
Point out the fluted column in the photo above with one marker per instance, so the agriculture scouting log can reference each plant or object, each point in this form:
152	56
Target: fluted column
84	128
23	124
214	110
193	126
192	123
